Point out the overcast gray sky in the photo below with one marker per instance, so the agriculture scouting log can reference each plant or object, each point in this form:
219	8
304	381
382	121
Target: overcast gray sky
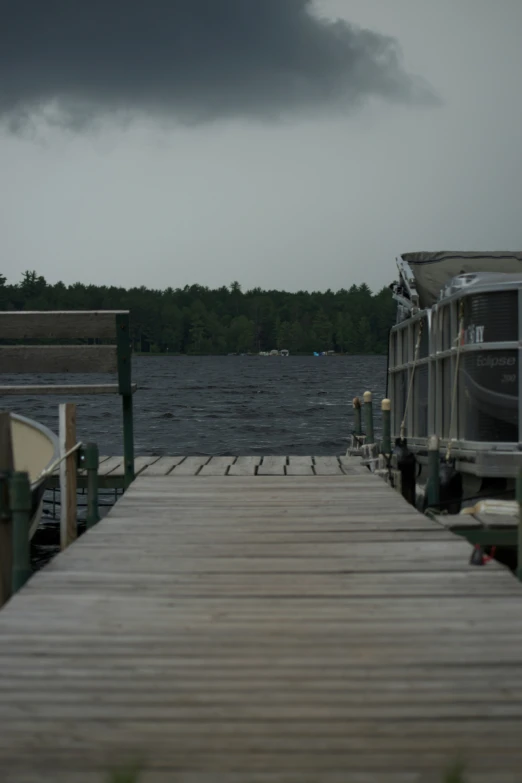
271	149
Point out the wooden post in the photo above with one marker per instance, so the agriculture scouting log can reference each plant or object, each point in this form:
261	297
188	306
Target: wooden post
368	413
433	487
6	531
386	446
357	417
68	480
91	463
20	500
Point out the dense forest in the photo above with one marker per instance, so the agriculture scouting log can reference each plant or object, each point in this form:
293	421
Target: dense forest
200	320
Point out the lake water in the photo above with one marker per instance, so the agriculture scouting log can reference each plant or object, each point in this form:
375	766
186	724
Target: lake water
223	405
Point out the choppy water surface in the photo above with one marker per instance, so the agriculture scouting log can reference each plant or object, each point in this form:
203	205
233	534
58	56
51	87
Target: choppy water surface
223	405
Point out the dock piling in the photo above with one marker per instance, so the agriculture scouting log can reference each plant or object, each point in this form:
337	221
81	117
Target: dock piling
20	504
386	446
357	417
368	415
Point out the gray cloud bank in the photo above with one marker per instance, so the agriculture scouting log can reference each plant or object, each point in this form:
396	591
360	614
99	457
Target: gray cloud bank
194	60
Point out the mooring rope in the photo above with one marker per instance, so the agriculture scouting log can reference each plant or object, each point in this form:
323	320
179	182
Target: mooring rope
410	387
52	467
455	382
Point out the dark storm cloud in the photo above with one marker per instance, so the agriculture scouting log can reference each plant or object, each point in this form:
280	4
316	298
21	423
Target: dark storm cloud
191	59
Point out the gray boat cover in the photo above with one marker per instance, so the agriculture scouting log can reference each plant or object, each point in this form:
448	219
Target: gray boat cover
433	270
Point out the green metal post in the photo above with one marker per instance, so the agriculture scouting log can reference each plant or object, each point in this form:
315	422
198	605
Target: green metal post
519	548
433	484
357	417
386	445
91	463
125	389
5	511
128	439
20	502
368	415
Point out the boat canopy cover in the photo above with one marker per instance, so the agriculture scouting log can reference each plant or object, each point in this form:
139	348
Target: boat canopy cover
433	270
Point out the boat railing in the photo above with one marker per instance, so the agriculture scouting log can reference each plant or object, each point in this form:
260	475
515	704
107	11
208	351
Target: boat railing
464	380
16	501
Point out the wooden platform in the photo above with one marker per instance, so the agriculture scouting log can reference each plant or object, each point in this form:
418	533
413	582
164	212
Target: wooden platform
111	468
485	529
239	629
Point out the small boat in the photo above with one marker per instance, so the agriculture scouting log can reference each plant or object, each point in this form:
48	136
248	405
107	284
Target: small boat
35	448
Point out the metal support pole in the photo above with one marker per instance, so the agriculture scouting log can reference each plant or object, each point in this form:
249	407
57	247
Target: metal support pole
123	339
91	464
386	445
20	502
433	487
519	548
368	416
357	420
128	440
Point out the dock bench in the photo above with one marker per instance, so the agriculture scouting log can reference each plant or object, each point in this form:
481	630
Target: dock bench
41	342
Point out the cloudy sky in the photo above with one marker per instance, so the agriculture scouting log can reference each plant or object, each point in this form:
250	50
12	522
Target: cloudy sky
160	144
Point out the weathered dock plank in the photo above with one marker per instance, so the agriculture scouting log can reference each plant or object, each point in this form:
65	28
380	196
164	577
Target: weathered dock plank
272	466
327	466
112	468
113	465
244	466
232	629
218	466
190	466
300	466
352	466
141	463
162	467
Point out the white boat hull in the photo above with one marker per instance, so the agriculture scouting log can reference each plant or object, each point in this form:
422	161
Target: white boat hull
35	448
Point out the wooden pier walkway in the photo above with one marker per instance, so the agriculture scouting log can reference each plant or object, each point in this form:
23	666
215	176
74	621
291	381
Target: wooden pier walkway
263	629
111	470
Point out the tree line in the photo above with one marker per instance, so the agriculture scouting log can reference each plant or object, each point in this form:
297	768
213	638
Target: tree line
200	320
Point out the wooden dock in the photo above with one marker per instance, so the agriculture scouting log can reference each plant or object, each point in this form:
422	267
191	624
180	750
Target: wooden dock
111	470
263	629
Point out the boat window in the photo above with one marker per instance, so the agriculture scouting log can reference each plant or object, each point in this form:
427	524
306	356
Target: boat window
488	396
491	317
